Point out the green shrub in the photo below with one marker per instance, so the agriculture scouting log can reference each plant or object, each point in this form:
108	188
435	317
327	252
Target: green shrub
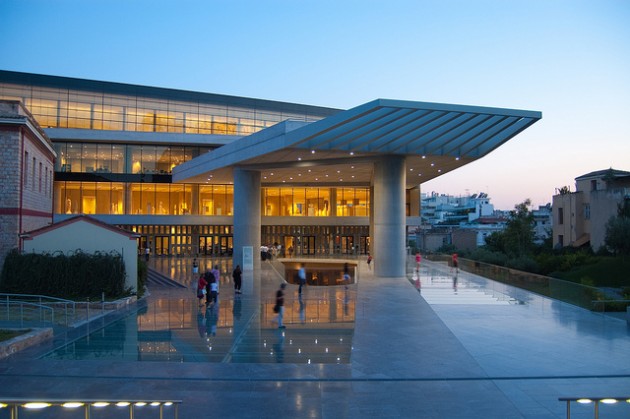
75	276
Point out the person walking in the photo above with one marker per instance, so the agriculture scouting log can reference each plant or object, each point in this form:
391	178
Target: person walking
418	260
454	263
280	305
237	275
201	288
301	277
369	261
214	292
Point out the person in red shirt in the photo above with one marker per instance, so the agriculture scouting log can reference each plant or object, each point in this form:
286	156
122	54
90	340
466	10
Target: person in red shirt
201	288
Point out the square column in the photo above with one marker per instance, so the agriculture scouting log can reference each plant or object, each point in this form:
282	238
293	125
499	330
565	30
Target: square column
389	247
247	221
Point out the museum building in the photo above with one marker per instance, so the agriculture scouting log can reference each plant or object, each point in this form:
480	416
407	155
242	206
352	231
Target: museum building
182	168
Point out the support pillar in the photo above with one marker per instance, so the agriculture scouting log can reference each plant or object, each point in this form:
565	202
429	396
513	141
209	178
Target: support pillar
247	221
389	247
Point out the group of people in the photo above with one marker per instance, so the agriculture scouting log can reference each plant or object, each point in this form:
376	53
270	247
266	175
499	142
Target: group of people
208	284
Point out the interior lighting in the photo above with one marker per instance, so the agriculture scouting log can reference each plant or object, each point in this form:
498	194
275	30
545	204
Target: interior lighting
439	170
424	157
72	405
168	404
100	404
609	401
35	405
155	403
411	169
299	158
352	153
312	151
584	401
140	404
457	158
122	404
3	405
432	164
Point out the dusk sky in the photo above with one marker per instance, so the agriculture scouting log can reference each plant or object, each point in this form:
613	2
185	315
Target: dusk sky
569	59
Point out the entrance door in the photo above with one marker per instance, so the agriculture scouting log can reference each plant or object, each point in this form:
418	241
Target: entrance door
161	245
308	245
226	246
347	245
365	245
205	245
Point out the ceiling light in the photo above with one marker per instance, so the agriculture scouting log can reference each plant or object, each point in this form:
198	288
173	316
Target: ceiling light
352	153
122	404
71	405
312	151
456	158
424	157
432	164
299	158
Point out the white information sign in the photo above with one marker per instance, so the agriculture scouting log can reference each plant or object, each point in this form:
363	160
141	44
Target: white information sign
248	258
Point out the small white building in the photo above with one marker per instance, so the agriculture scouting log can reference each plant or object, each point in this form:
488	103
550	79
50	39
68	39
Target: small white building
90	236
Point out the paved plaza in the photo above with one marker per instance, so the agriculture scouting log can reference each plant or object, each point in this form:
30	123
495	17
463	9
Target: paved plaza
445	346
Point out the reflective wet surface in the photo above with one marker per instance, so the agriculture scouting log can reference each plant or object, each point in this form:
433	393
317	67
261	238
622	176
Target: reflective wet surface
441	346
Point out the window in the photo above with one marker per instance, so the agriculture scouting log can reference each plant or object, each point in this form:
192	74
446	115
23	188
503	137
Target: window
587	211
25	174
561	240
593	185
40	177
560	216
34	162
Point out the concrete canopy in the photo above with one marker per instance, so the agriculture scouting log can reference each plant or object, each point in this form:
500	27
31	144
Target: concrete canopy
340	150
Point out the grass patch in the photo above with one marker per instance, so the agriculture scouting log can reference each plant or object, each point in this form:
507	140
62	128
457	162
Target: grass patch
10	334
604	272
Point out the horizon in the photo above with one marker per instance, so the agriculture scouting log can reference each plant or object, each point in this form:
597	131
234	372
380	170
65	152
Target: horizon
569	60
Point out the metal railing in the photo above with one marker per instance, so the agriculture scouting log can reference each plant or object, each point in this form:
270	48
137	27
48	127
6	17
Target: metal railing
13	304
596	401
27	308
126	407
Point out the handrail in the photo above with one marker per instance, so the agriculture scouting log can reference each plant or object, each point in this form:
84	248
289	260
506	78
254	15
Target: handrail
69	306
21	305
14	405
595	400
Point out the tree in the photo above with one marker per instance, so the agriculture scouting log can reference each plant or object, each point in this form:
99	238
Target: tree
618	230
518	237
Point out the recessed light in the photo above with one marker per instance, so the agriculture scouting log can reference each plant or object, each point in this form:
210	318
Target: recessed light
312	151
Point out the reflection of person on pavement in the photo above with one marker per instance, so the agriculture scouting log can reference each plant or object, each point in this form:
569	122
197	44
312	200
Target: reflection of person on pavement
212	317
346	302
236	308
455	283
278	347
302	309
201	323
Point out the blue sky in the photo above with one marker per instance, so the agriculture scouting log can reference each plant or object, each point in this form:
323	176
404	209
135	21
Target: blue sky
568	59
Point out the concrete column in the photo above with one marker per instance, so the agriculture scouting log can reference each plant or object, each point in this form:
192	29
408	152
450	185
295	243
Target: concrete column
389	217
247	221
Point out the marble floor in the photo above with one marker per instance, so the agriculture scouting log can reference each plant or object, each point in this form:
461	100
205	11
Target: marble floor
441	345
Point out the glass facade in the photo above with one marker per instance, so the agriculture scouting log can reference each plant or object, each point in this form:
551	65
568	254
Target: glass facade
128	198
75	108
106	158
130	174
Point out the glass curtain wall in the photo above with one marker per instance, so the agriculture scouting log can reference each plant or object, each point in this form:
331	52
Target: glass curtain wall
69	108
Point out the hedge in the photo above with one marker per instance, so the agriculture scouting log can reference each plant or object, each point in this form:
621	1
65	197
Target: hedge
75	276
